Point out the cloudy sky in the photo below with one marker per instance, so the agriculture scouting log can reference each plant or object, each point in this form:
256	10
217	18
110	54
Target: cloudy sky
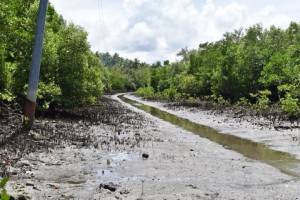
153	30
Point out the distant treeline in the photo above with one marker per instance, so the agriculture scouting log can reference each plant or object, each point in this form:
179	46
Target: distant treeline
125	74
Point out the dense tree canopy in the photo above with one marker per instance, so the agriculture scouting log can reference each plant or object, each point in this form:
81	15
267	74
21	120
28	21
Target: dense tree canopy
261	65
71	73
254	64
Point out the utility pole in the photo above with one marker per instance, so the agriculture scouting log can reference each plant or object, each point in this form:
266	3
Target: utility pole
30	104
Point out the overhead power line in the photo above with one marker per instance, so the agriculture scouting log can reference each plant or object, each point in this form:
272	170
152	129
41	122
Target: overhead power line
102	24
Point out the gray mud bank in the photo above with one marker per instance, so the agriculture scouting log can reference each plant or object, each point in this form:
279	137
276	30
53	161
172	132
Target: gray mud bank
147	158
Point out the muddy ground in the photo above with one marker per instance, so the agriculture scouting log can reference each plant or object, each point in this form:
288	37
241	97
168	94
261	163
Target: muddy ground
114	151
282	135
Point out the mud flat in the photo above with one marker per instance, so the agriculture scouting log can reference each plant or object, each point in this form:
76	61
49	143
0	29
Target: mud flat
138	156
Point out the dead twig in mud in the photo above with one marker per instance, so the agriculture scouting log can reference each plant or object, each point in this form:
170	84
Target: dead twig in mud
143	187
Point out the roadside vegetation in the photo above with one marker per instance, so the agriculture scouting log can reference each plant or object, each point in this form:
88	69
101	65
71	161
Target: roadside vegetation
254	67
3	194
124	74
71	73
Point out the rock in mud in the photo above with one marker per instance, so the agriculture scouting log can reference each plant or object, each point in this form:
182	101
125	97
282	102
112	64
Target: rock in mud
109	186
21	198
13	170
18	198
29	184
124	191
144	155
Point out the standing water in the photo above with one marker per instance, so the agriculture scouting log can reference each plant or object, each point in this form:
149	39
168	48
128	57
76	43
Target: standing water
285	162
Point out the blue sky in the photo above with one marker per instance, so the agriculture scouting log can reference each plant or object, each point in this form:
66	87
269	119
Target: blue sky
153	30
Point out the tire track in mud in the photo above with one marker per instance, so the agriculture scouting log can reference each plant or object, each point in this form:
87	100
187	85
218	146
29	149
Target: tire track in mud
285	162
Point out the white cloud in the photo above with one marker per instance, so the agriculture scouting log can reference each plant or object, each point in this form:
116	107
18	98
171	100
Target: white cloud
157	30
132	5
162	43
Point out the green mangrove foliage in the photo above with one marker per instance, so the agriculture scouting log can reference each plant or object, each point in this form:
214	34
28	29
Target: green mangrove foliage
254	65
125	74
3	194
248	66
71	74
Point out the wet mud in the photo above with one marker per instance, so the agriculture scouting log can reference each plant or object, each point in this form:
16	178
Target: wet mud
115	151
285	162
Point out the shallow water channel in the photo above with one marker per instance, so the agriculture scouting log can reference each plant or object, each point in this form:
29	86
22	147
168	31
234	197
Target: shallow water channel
285	162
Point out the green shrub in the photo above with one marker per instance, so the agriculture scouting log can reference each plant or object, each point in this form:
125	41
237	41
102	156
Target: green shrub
243	102
3	194
192	100
218	100
289	99
170	93
263	102
147	92
6	79
290	105
47	94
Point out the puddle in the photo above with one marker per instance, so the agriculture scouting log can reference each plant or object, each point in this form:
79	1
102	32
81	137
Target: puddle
109	174
121	156
101	176
285	162
76	182
69	197
105	173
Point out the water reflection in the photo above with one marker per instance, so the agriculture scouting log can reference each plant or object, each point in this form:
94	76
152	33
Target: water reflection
285	162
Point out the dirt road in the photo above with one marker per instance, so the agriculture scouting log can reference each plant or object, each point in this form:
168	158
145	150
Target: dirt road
142	157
